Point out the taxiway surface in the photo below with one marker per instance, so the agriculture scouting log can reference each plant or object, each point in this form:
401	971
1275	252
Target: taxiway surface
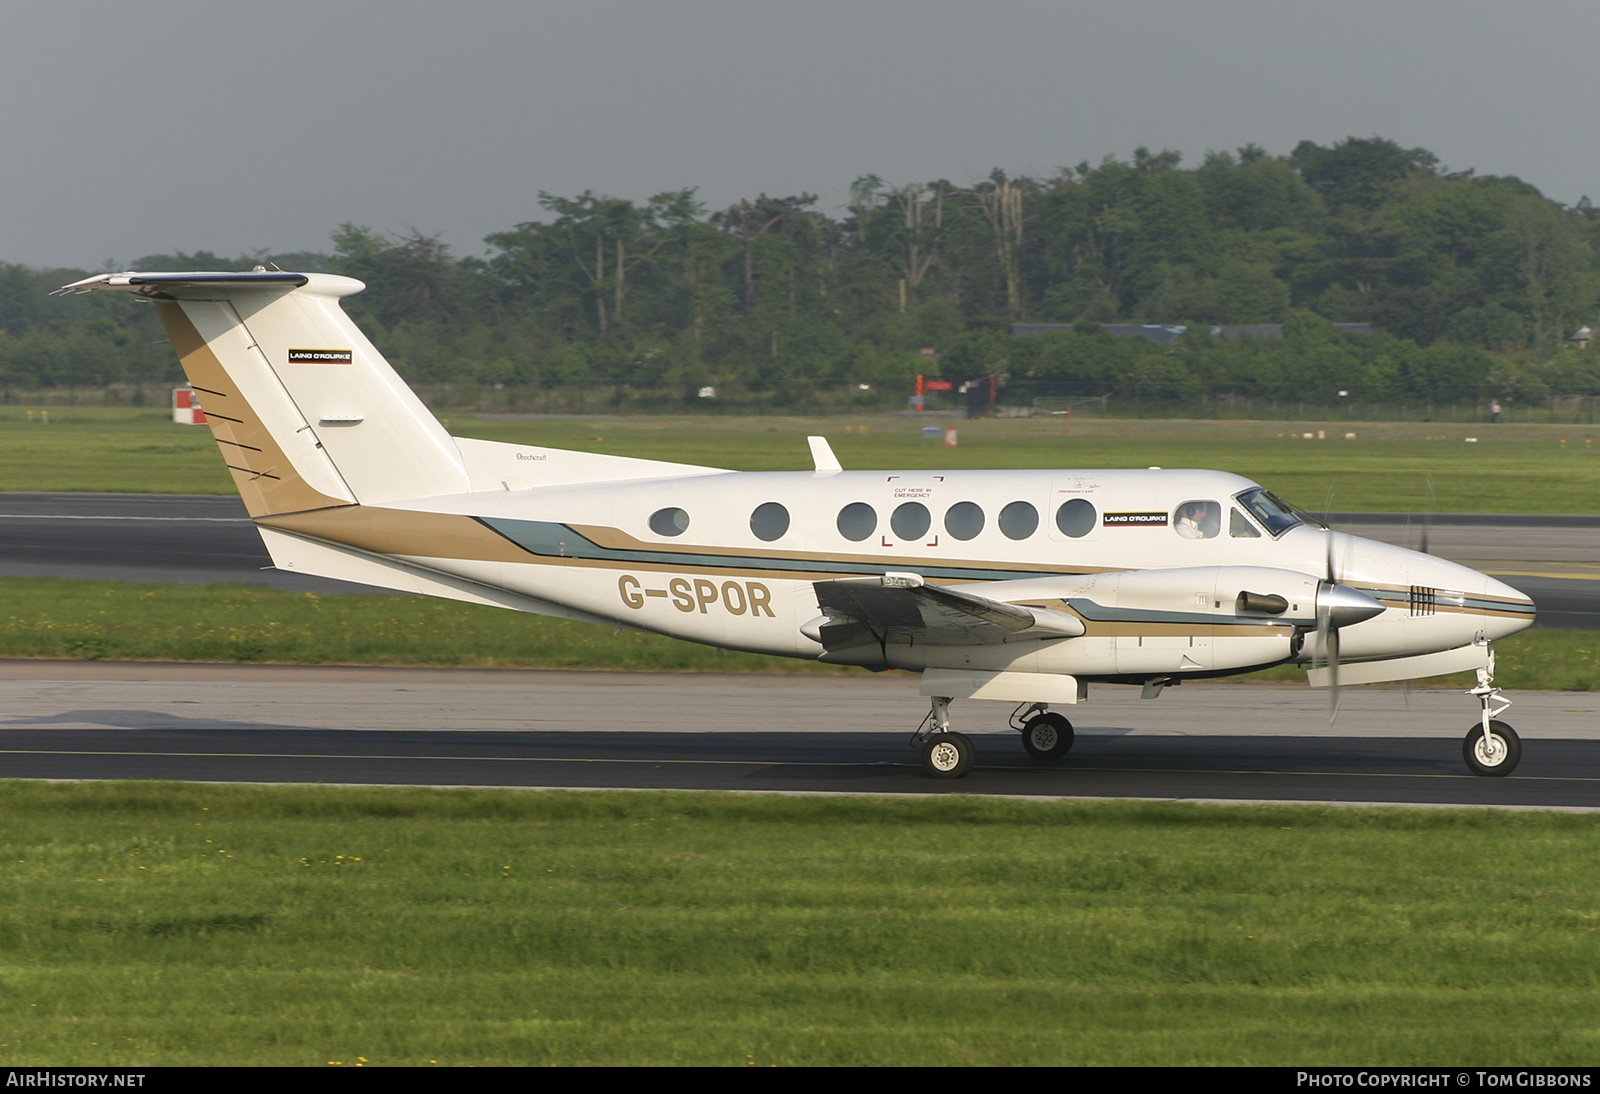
254	723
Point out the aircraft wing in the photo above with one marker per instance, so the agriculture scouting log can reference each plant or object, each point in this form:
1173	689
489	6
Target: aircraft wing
901	608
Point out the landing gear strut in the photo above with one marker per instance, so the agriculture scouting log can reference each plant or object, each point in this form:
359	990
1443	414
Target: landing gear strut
1046	736
946	754
1491	747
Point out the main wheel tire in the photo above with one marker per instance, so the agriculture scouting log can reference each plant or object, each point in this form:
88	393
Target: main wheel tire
1047	736
947	755
1498	756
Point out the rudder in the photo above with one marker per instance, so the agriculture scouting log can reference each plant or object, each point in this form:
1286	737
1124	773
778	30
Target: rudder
305	410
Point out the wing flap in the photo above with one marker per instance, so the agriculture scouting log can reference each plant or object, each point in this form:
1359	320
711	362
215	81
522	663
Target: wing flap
901	609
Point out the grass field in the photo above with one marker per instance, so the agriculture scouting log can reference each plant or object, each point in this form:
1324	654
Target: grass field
111	620
1523	468
150	924
120	621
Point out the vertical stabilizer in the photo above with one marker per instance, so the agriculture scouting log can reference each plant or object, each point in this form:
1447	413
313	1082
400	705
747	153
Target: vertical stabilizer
305	410
250	414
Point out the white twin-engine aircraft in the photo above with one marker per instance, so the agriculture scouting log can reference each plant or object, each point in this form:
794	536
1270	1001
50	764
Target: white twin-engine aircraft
1024	586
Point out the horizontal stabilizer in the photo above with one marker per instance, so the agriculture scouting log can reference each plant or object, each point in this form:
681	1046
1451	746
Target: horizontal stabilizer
149	284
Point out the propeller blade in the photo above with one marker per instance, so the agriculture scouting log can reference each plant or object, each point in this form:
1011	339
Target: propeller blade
1338	606
1331	573
1327	640
1333	667
1427	516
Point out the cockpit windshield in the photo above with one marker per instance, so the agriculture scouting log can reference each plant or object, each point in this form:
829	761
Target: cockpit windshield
1275	515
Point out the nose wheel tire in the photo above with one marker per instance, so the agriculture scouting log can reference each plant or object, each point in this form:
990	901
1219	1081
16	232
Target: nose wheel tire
1047	736
947	755
1496	756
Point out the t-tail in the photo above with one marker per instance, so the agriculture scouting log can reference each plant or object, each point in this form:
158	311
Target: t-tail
306	412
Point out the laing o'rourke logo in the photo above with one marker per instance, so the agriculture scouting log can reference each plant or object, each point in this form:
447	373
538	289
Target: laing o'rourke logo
320	357
1135	520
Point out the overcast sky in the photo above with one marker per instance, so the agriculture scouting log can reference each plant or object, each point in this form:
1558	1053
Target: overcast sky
136	128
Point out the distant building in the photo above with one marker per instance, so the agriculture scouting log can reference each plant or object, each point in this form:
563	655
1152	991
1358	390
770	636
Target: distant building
1165	336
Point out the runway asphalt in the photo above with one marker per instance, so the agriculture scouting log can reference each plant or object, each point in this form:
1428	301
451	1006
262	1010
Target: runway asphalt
194	539
1200	742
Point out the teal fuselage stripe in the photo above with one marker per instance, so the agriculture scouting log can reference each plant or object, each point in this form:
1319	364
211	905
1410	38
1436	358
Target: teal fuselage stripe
1468	603
553	540
1099	613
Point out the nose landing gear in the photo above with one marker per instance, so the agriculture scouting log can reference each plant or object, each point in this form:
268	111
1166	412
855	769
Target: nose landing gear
1492	751
1491	747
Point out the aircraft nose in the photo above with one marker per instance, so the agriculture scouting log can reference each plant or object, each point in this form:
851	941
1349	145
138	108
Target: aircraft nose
1486	603
1517	609
1499	589
1453	598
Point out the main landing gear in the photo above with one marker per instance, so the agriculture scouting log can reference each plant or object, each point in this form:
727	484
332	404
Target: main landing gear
1046	736
947	754
1491	747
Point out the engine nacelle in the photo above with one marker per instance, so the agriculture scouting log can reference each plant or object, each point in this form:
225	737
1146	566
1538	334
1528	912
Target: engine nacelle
1245	592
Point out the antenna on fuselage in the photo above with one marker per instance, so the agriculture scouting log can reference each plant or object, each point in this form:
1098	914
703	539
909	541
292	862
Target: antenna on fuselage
822	458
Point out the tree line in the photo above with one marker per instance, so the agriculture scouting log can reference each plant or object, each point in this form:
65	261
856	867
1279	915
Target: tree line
1474	286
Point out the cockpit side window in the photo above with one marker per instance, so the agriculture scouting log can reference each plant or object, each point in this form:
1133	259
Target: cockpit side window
1197	519
1273	514
1239	526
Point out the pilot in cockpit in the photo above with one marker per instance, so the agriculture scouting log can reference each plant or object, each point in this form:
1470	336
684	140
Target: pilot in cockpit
1197	519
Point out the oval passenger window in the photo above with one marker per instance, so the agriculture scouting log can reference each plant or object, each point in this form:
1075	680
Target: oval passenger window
669	522
1019	520
1076	518
857	521
769	521
964	520
910	521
